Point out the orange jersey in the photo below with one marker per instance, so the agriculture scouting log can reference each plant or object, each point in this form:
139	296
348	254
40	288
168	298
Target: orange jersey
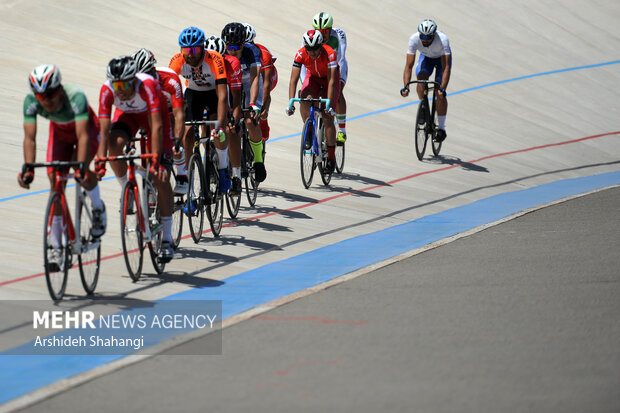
209	73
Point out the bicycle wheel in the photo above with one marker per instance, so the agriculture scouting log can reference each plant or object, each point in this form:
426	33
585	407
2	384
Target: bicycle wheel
340	157
306	156
89	256
420	131
56	255
215	201
155	226
251	186
435	145
131	232
195	197
233	202
177	215
326	177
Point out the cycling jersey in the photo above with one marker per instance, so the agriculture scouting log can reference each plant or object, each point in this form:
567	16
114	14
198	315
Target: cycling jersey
338	41
250	57
205	76
267	59
439	47
316	67
170	86
233	72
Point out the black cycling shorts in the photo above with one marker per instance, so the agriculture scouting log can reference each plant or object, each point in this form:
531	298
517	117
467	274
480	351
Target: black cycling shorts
196	101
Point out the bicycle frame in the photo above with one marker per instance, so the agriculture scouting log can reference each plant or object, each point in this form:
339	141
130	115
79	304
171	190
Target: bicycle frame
428	84
317	122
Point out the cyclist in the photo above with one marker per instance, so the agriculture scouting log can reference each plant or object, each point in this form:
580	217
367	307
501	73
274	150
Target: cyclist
337	40
234	36
435	53
139	103
270	77
73	135
205	75
233	78
172	89
322	81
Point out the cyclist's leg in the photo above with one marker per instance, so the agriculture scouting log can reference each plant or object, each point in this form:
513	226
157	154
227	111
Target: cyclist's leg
423	71
442	102
256	137
263	123
341	106
57	150
123	127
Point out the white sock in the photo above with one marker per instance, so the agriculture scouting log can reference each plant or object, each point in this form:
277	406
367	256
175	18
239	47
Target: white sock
95	197
236	171
122	180
180	163
167	221
222	155
442	122
56	231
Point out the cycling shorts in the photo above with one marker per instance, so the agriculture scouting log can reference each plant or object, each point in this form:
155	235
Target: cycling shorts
317	87
197	100
62	147
427	64
130	123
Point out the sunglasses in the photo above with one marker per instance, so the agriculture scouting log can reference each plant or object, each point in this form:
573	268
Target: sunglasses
426	37
49	94
233	47
121	85
191	50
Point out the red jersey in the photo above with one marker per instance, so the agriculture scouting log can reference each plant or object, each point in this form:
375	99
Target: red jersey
233	72
317	67
171	87
146	99
266	58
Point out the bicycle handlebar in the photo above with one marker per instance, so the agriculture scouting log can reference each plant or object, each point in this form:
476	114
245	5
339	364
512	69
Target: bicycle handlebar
81	166
152	156
428	82
214	123
311	100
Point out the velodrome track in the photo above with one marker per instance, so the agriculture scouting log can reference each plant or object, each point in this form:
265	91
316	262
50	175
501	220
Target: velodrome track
532	102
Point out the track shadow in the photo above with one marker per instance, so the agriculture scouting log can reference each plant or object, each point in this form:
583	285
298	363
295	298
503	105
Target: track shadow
453	160
351	176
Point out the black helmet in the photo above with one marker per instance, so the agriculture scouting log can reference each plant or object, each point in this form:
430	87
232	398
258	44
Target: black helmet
234	33
122	68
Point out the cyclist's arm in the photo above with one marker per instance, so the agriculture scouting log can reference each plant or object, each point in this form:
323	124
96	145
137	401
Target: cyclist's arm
222	105
30	143
292	85
157	132
255	83
332	79
179	121
104	127
445	63
236	103
408	68
83	139
266	82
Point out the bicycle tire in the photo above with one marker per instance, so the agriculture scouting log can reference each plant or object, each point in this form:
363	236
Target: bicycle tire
340	152
132	239
307	156
233	202
155	226
326	177
195	197
215	201
55	273
420	131
177	215
434	144
89	256
251	186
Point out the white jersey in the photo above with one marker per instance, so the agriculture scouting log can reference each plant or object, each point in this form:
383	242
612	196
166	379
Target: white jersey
439	47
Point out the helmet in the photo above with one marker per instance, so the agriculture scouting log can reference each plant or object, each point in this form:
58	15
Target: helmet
234	33
122	68
192	36
427	27
217	44
145	61
313	39
322	20
250	33
43	78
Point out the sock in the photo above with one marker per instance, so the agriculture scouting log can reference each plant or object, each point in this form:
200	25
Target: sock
180	163
257	148
56	232
167	221
442	122
95	197
122	180
236	171
222	156
342	122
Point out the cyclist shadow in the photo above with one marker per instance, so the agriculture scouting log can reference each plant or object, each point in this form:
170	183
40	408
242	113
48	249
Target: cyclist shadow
287	196
264	210
355	177
453	160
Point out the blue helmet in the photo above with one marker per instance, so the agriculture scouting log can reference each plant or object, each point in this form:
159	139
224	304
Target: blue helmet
192	36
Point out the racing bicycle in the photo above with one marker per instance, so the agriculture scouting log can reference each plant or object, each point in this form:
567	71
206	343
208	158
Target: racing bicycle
426	120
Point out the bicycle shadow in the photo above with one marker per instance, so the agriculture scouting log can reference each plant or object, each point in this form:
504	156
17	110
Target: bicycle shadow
293	197
351	176
267	209
453	160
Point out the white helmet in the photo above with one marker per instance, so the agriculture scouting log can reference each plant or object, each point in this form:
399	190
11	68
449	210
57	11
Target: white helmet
250	33
44	78
145	61
313	39
427	27
216	44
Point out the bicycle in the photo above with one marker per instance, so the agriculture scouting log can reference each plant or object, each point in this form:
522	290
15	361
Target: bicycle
340	146
314	155
177	208
75	239
140	216
204	184
426	120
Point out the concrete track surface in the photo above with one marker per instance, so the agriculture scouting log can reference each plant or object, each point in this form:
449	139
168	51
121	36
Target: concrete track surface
533	100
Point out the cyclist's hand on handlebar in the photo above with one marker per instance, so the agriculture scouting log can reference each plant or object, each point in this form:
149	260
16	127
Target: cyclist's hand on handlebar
99	169
158	171
404	92
290	110
255	111
218	134
25	178
330	111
